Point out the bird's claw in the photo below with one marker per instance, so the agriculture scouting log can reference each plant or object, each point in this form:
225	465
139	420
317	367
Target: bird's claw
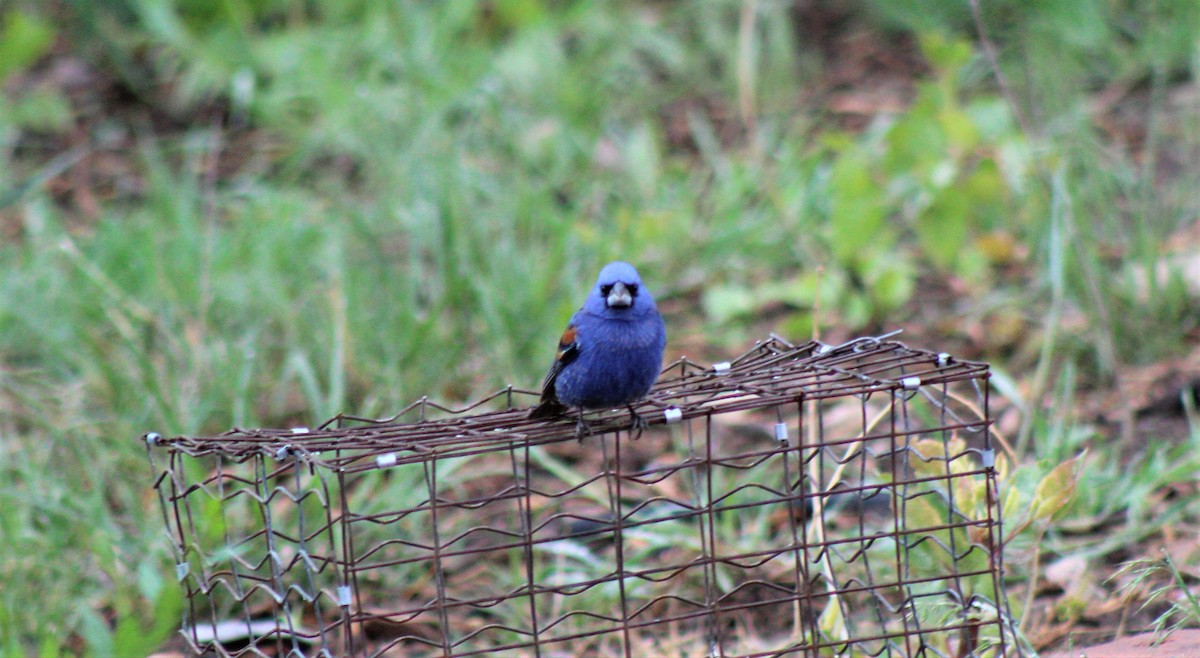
581	428
637	425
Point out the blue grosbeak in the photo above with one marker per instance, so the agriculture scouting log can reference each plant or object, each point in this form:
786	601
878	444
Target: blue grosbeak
611	352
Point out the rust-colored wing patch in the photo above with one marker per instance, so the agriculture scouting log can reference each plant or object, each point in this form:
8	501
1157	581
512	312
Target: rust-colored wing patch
568	349
566	344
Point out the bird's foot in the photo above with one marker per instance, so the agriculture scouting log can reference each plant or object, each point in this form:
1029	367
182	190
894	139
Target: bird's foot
581	428
637	425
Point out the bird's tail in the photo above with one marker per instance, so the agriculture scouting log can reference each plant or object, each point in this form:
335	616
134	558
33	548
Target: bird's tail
548	408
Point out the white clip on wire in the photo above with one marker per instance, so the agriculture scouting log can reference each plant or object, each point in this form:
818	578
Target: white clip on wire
988	457
722	367
300	430
911	383
943	359
153	438
673	414
387	460
343	596
781	432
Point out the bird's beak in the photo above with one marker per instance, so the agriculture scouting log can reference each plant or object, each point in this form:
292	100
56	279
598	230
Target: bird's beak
619	296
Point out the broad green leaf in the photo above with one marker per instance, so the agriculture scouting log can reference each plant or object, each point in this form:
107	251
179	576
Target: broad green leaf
942	228
1011	505
970	495
934	455
167	608
1056	490
924	512
857	206
917	142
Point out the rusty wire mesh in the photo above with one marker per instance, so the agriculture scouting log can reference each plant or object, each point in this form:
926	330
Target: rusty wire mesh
800	500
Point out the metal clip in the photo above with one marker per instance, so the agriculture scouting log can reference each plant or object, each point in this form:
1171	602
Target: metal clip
387	460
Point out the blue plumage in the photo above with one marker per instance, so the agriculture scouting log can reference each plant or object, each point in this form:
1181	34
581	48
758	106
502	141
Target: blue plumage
611	353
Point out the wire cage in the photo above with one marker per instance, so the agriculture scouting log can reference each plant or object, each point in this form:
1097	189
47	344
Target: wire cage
806	500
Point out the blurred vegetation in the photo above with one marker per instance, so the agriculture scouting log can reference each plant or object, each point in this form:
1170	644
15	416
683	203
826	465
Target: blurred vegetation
271	211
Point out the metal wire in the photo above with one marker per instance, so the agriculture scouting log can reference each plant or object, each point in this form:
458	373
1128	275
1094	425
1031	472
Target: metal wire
864	521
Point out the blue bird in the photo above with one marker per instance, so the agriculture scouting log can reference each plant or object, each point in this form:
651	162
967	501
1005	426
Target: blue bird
611	353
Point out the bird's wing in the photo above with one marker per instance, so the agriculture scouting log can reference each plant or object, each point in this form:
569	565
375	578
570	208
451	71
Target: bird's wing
568	350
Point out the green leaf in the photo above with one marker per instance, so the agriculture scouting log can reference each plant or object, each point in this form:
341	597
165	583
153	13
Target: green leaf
856	310
1012	506
857	206
94	631
50	647
150	581
891	280
23	39
923	514
917	141
168	606
130	638
986	182
799	325
944	55
959	129
942	227
723	303
1056	490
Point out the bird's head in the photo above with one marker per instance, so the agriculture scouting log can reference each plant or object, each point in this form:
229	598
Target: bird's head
619	291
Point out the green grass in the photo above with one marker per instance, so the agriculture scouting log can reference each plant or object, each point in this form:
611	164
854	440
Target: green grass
409	198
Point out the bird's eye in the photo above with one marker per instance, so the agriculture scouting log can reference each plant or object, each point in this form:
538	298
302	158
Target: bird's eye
605	289
632	288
